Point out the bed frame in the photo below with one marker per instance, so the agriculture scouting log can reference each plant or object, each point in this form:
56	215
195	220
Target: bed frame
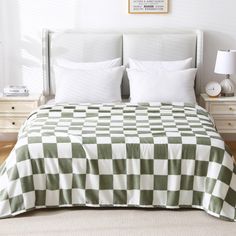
96	46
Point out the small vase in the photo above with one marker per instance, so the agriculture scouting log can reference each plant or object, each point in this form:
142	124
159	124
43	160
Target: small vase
227	86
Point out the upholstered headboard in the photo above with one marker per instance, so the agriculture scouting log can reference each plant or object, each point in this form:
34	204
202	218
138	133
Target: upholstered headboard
91	47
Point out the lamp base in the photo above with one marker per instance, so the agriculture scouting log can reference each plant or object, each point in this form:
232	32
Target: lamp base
227	86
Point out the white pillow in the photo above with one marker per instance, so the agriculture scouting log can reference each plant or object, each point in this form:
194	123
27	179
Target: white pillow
88	86
162	86
88	65
157	65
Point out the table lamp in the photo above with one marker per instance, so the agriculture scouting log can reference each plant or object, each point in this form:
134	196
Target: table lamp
226	64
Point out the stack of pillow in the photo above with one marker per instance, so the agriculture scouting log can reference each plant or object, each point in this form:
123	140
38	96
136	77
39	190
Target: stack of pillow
162	81
100	82
95	82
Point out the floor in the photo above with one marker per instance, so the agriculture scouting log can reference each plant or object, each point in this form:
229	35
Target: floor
5	149
232	146
118	222
90	221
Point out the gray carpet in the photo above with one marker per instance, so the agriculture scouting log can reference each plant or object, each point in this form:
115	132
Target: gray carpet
116	222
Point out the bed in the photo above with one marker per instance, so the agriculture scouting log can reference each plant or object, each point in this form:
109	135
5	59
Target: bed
144	155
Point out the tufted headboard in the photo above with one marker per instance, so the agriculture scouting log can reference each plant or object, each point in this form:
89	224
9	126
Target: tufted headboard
92	47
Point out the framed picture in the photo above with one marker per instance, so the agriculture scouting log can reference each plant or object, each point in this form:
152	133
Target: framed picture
148	6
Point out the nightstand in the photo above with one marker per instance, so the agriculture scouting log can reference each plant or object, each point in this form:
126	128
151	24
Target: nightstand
223	110
15	110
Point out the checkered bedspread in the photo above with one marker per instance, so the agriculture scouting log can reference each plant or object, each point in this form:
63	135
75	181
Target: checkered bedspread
120	155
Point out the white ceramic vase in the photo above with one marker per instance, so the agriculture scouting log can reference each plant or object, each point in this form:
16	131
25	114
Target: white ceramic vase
227	86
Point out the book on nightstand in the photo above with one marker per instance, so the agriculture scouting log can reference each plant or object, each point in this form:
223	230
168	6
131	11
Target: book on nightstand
15	91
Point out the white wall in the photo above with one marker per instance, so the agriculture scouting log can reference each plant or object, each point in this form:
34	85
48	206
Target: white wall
22	21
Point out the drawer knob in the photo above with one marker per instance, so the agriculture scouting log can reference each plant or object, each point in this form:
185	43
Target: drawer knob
230	124
231	108
13	108
13	123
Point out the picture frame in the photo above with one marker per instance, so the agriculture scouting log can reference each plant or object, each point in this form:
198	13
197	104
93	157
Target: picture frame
148	6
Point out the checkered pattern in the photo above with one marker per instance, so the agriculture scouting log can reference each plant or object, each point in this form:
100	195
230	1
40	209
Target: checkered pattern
145	155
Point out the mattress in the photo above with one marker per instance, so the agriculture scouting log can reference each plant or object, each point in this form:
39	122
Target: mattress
150	155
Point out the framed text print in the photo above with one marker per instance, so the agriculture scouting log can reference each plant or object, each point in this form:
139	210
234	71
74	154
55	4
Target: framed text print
148	6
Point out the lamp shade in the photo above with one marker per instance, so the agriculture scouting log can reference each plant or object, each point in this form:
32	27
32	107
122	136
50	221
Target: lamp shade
226	62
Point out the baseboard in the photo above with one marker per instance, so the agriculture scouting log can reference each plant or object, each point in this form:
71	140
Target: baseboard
229	137
8	137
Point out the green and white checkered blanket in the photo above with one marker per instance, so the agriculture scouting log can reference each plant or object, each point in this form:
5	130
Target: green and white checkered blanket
121	155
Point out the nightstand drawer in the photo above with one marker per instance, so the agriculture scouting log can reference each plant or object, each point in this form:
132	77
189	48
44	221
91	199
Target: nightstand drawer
223	108
225	124
17	107
11	122
15	110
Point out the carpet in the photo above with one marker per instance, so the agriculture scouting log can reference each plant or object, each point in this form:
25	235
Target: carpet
91	222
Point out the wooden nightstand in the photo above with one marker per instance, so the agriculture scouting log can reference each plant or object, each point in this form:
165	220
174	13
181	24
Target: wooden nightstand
15	110
223	110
